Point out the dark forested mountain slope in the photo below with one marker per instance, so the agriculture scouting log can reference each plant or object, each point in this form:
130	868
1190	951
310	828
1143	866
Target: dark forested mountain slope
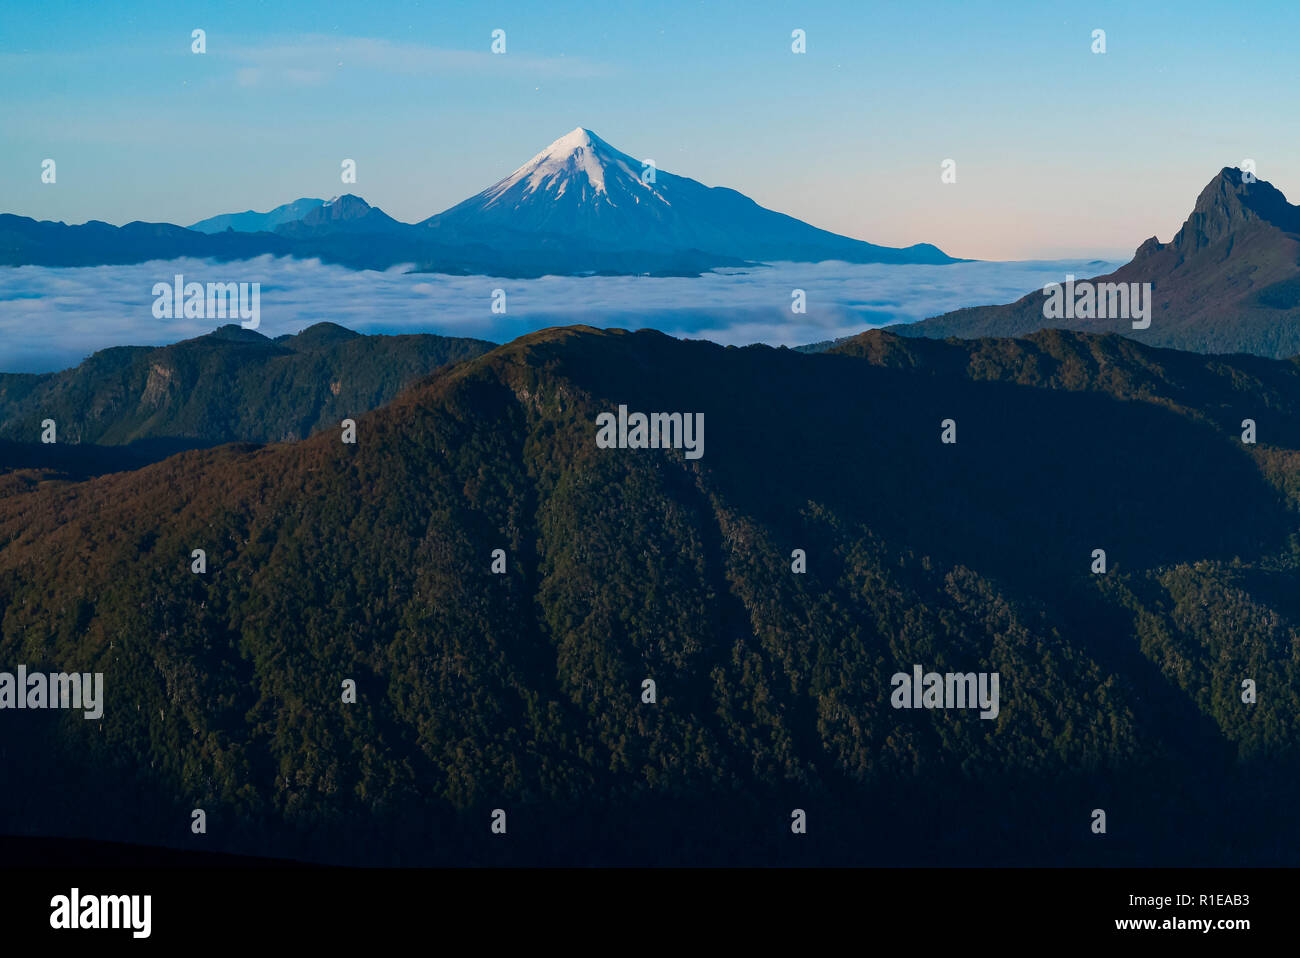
230	385
523	691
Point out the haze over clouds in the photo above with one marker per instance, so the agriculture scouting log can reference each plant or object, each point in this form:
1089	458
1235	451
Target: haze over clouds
53	318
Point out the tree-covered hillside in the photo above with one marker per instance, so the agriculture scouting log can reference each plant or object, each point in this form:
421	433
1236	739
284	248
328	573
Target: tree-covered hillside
231	385
523	691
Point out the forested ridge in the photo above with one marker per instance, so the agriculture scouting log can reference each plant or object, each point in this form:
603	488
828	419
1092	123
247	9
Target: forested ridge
523	691
229	385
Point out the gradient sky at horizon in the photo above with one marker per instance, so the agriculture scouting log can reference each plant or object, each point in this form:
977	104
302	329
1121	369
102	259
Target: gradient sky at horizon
1060	152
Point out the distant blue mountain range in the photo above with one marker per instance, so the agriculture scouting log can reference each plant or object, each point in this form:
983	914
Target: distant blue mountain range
251	222
579	206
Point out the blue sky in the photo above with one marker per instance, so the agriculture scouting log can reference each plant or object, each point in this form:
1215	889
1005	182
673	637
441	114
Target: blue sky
1059	151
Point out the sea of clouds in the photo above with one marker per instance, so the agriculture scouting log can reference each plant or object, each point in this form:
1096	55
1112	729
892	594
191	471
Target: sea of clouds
52	318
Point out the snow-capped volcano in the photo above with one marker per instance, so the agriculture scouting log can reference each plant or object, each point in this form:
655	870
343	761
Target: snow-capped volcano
584	193
577	160
578	207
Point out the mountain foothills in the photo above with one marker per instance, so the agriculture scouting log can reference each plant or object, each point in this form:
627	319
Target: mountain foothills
580	206
230	385
523	691
1229	281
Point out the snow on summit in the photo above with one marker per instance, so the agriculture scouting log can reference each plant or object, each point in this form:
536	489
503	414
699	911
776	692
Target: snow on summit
579	160
582	192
